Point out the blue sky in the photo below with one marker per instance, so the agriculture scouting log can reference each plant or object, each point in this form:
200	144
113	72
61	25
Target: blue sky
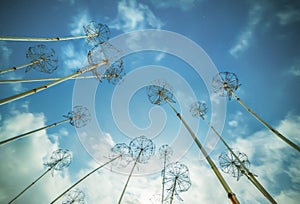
257	40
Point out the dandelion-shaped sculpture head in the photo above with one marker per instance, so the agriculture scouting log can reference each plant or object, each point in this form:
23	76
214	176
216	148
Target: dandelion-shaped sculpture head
122	151
159	92
113	68
75	196
230	165
79	116
141	149
225	83
96	33
59	159
177	179
165	152
198	109
42	58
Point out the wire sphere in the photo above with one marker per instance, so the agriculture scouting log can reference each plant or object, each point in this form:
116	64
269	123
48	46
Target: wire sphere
75	196
159	92
79	116
225	81
96	33
43	58
59	159
177	179
198	109
114	73
230	165
123	151
165	152
141	149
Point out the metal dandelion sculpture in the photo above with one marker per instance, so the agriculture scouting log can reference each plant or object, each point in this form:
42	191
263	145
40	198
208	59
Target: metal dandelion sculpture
76	196
78	117
141	150
106	60
42	59
160	93
94	33
226	83
199	110
59	159
177	180
165	152
115	72
120	151
231	165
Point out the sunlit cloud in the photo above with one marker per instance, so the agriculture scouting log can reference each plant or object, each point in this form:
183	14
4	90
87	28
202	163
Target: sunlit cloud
245	37
288	16
78	21
183	5
133	15
24	160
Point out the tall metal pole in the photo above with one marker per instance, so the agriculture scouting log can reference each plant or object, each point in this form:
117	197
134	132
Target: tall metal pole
12	38
124	189
41	88
229	192
20	67
30	185
249	175
289	142
173	190
83	178
33	131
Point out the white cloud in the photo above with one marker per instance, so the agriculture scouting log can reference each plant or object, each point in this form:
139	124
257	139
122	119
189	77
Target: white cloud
6	52
74	59
78	21
288	16
245	37
22	160
233	123
184	5
295	70
133	16
160	56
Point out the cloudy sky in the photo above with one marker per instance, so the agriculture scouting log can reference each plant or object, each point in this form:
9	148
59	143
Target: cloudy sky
257	40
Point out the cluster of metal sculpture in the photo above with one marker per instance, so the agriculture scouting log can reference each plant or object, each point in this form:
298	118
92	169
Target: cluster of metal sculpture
104	63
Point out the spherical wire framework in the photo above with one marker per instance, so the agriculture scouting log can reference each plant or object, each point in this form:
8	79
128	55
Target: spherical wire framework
121	150
75	196
160	92
165	151
198	109
79	116
96	33
113	70
230	165
141	149
42	58
177	179
59	159
224	81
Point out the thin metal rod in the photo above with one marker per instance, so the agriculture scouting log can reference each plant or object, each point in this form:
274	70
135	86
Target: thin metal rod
20	67
124	189
83	178
33	131
163	180
173	190
41	88
226	187
50	79
30	185
248	174
12	38
289	142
